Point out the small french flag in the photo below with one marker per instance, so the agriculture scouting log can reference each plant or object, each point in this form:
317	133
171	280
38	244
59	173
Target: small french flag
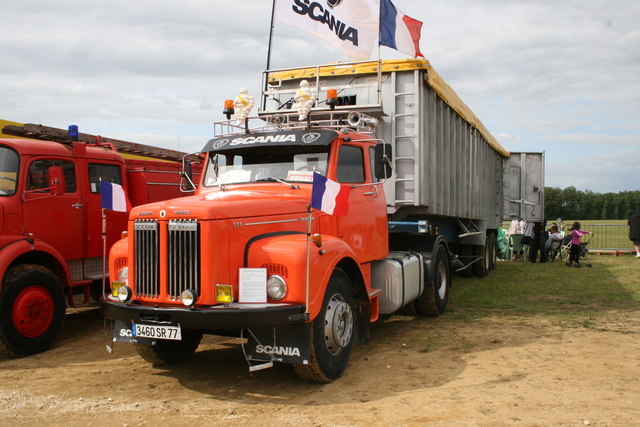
114	197
399	31
329	196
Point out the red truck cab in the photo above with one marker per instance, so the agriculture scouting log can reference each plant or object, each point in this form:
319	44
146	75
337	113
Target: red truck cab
236	256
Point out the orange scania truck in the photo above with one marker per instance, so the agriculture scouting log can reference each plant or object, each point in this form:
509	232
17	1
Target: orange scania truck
52	237
247	254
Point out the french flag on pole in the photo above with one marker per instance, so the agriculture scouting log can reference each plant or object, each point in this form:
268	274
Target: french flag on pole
329	196
399	31
114	197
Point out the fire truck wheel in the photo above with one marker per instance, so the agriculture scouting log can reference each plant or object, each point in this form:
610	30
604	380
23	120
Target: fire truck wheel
170	352
32	310
481	268
433	301
332	333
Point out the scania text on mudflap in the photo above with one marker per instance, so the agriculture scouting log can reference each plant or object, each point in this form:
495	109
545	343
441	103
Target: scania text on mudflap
312	221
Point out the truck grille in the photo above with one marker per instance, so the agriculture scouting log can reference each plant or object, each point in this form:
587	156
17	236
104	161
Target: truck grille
146	258
183	257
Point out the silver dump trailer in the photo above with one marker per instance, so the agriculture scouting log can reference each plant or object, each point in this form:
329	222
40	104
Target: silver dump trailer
452	177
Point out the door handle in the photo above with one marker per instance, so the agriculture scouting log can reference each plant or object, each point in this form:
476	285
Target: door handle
77	205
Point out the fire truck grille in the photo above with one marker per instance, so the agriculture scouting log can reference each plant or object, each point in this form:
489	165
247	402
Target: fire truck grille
146	258
184	257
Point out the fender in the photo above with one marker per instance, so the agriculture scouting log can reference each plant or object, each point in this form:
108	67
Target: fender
119	251
35	252
290	252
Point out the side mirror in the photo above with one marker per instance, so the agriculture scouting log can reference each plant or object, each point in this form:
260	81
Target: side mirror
56	180
382	161
187	177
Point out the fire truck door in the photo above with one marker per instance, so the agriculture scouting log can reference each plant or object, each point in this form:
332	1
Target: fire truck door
116	222
58	220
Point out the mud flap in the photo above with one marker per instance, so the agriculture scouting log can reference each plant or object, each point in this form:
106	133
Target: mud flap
287	344
123	332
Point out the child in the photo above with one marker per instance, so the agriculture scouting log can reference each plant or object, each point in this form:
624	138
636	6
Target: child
574	253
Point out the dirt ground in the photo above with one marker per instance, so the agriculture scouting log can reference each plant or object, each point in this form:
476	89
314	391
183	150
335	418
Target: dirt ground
417	372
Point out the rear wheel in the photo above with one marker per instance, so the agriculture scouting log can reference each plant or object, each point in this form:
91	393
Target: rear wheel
332	333
434	299
32	310
170	352
482	267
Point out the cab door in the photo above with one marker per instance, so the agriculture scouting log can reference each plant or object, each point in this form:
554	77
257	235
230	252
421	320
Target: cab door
364	228
116	222
56	219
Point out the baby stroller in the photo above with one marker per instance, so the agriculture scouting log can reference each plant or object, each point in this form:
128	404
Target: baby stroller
584	250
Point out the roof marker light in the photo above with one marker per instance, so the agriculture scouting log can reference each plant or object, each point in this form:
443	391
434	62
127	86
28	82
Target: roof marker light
332	98
228	108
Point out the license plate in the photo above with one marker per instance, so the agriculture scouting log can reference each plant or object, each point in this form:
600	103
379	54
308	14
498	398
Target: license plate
157	332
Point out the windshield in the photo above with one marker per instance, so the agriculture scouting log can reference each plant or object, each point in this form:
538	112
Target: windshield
8	171
292	164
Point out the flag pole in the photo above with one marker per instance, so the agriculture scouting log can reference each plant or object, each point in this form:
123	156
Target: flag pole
307	280
104	251
266	74
379	59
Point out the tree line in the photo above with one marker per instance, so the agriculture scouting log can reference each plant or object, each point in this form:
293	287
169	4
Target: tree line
572	203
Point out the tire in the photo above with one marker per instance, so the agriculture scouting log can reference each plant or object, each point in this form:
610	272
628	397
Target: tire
32	310
493	250
435	297
481	268
332	333
171	352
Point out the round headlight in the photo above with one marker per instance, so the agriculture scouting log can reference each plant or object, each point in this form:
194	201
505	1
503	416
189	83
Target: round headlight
276	287
188	297
123	276
124	293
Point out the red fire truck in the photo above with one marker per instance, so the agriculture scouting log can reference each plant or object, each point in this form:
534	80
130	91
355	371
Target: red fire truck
51	227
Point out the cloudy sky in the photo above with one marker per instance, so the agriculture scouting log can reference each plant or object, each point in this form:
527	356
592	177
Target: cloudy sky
561	76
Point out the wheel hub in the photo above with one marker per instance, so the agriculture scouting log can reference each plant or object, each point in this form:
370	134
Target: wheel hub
32	311
338	324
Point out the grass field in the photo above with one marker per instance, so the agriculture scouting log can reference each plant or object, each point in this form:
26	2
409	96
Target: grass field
610	287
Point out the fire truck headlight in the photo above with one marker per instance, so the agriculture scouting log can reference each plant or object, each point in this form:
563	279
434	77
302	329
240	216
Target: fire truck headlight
124	293
188	297
276	287
224	294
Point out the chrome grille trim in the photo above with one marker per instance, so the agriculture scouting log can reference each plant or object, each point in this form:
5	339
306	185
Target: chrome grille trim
147	268
183	257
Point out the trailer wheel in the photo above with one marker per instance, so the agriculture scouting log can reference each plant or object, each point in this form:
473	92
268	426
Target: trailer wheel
481	268
170	352
32	310
332	333
493	250
433	301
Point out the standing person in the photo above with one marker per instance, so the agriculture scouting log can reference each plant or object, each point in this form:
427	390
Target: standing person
634	231
574	253
539	243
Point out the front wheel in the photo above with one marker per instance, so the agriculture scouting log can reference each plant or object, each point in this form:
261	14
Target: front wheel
170	352
332	333
435	297
32	310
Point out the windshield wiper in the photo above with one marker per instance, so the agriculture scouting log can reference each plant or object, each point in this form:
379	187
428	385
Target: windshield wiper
293	186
